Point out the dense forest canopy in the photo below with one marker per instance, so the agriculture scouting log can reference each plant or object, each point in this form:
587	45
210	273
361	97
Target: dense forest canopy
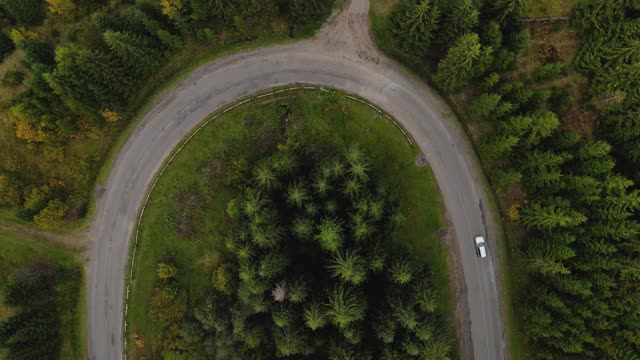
309	271
580	194
41	298
81	86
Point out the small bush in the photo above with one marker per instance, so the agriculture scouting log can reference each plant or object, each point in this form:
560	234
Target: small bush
490	82
548	71
560	100
12	78
519	41
205	35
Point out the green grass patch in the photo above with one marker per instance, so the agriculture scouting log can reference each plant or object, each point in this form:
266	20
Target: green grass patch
18	252
316	119
379	12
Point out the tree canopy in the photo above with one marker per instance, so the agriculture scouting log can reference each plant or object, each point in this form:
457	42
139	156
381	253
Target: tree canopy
310	270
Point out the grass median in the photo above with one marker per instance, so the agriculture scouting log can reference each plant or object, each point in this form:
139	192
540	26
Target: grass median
313	119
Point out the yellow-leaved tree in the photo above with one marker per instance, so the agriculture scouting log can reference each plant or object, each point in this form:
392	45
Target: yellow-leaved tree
51	216
31	130
171	6
66	8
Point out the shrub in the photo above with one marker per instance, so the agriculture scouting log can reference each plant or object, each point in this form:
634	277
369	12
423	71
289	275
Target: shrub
519	41
548	71
51	216
167	271
205	35
490	82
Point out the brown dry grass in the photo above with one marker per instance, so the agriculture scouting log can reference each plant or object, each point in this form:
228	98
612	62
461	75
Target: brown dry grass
561	40
11	62
548	41
383	7
550	8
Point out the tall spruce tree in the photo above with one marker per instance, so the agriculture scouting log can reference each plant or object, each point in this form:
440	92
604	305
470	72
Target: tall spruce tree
414	24
460	65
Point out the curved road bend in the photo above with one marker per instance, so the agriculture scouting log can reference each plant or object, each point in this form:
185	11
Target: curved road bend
342	56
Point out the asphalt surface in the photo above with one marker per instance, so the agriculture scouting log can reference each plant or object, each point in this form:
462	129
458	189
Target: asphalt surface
342	56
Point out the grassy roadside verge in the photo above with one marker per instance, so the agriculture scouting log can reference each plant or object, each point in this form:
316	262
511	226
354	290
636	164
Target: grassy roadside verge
321	117
18	252
379	17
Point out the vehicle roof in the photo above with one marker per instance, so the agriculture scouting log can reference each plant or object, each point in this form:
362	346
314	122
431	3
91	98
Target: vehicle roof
483	251
479	239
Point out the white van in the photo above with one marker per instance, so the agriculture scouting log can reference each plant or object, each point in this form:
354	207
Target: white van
481	248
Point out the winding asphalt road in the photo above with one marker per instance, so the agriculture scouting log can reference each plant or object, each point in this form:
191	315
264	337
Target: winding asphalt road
342	56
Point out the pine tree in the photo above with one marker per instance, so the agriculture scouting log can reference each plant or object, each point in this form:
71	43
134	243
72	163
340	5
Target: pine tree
282	315
460	64
348	266
134	51
377	258
549	217
498	147
402	270
547	267
308	11
385	328
25	11
273	264
425	297
203	9
413	26
345	306
289	341
543	125
314	316
266	177
510	10
302	228
297	194
484	105
298	291
404	314
436	348
266	235
37	52
462	18
330	235
89	81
